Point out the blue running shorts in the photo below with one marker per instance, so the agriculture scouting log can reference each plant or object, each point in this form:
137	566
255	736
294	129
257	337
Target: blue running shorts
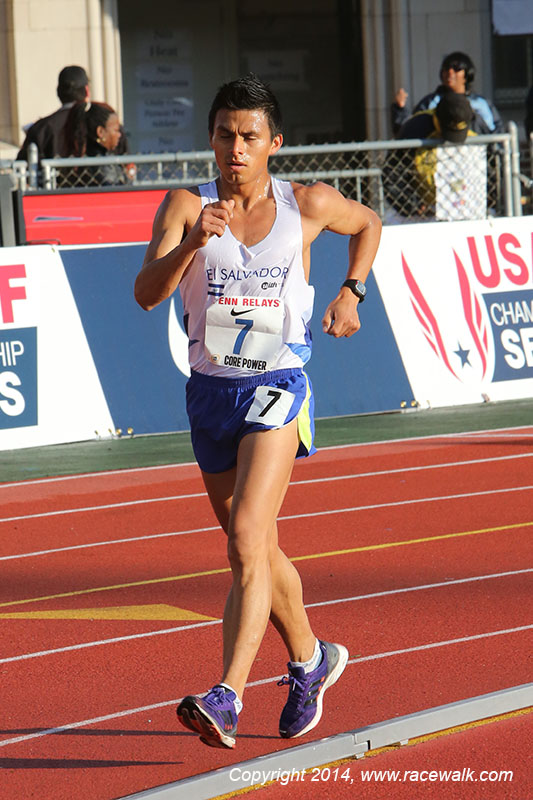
223	410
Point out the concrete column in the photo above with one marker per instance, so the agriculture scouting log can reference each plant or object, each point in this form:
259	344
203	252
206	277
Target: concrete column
400	46
112	58
96	55
9	131
374	44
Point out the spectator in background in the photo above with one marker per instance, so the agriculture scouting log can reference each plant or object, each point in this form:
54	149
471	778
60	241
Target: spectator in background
48	132
409	174
451	119
457	74
529	113
93	129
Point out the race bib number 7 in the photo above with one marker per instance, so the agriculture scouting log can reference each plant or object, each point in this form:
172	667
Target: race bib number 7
245	332
271	406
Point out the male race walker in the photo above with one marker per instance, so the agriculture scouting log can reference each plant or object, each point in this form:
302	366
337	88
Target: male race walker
239	250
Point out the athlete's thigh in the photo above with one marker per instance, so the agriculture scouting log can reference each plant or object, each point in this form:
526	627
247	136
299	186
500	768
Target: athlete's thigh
220	486
264	464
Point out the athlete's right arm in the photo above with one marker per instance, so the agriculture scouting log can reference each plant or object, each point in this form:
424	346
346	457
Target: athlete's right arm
180	229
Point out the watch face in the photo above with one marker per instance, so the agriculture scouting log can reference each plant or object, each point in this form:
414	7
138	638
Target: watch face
357	287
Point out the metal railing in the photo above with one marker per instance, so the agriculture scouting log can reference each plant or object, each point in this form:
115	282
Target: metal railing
403	180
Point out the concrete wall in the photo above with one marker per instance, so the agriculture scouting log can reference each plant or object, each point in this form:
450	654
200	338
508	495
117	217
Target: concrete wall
37	39
8	109
405	42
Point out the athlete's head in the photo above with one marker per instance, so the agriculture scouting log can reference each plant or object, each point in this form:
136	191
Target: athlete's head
458	61
248	93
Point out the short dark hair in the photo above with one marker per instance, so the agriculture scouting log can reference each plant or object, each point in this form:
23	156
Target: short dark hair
454	114
462	61
71	84
249	92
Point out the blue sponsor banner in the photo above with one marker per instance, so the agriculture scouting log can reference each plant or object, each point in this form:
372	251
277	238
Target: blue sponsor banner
511	317
139	356
362	374
18	377
130	347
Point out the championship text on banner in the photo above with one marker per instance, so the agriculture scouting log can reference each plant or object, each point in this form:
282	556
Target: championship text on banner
49	389
459	297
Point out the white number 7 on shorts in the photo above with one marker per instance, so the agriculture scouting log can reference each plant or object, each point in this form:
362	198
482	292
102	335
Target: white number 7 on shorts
271	406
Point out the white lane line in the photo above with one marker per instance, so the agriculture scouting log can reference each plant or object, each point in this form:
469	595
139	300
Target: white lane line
408	502
431	645
105	507
486	433
348	510
420	468
70	726
328	479
109	542
166	631
103	474
422	587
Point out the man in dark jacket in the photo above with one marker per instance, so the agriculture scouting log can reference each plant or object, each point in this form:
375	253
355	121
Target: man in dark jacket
47	132
457	74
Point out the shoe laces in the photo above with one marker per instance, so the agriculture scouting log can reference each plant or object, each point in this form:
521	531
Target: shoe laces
297	688
217	696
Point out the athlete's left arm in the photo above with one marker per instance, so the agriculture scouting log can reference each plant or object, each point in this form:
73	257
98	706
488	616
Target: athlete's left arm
324	208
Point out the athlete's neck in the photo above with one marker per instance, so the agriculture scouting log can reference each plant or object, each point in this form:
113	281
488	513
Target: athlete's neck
246	195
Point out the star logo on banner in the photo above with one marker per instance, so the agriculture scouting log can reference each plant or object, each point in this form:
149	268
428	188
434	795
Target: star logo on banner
463	355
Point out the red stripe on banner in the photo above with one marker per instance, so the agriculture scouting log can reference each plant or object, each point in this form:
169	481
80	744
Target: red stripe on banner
469	299
425	309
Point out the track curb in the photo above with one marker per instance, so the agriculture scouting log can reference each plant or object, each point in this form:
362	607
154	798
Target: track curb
352	744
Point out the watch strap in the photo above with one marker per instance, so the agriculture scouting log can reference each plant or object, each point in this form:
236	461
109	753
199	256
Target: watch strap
357	287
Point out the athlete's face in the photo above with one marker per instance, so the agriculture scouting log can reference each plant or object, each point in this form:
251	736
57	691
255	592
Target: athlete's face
454	79
242	143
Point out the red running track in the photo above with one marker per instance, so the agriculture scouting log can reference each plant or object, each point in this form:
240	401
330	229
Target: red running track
415	554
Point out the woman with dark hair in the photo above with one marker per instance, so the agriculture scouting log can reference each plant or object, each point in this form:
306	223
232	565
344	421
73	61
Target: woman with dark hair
94	129
457	73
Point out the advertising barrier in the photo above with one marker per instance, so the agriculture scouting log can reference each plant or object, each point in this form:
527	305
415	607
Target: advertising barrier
49	389
448	319
141	358
90	216
459	297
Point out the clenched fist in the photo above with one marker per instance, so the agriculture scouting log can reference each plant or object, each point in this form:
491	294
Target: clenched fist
212	222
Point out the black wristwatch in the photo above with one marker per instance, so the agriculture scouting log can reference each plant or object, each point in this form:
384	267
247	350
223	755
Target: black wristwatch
357	287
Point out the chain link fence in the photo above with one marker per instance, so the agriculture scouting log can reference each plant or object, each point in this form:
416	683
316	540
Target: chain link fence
403	181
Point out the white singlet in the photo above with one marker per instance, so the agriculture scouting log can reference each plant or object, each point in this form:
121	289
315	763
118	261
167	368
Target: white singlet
247	309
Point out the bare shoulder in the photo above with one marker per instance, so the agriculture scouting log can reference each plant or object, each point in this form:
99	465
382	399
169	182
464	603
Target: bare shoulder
179	205
324	206
176	214
313	199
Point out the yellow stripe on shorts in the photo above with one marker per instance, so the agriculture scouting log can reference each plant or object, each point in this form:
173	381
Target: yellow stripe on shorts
305	433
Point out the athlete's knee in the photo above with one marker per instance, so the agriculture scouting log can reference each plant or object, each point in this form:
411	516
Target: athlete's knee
247	549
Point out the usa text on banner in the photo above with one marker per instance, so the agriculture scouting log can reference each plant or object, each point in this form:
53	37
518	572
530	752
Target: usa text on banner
460	300
49	388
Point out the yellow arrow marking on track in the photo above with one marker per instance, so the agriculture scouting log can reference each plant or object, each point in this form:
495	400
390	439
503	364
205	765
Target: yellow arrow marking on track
204	574
157	611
